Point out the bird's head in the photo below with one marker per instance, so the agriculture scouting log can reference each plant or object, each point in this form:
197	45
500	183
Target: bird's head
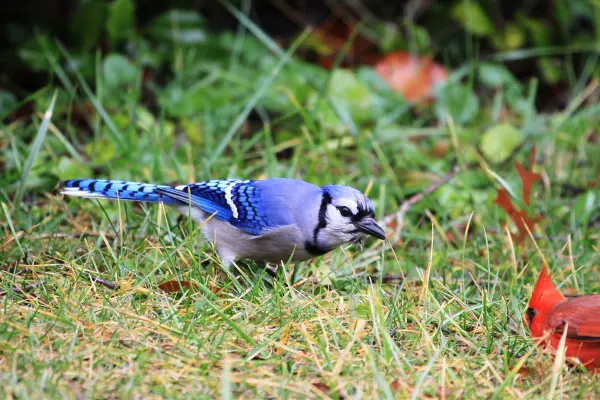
544	299
346	216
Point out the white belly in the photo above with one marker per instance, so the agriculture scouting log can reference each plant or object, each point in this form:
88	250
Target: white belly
275	246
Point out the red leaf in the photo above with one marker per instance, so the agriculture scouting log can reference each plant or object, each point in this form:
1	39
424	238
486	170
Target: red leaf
176	286
520	218
528	178
410	75
333	35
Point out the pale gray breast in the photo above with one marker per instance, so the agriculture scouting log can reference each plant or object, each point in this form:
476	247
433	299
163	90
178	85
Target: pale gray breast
276	245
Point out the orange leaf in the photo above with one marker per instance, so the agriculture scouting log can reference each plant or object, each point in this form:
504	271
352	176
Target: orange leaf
176	286
410	75
333	35
528	178
524	371
520	218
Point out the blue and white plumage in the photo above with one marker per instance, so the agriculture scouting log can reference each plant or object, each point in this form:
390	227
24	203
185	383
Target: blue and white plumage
270	220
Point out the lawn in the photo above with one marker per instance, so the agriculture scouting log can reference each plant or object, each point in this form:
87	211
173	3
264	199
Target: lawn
109	300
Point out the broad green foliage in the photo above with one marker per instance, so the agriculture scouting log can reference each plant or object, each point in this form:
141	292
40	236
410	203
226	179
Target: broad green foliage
121	21
118	73
473	17
456	101
88	24
500	141
8	101
179	26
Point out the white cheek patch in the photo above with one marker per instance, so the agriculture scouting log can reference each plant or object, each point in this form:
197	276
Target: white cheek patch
351	204
334	219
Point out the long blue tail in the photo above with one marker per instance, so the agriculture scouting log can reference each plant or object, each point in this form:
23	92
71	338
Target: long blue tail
116	190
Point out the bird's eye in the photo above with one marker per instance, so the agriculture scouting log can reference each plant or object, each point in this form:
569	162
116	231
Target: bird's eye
531	313
345	211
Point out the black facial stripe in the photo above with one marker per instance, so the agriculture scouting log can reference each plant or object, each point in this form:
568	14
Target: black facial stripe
322	216
313	248
359	215
362	214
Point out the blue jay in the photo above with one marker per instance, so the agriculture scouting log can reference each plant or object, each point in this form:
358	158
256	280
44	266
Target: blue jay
270	220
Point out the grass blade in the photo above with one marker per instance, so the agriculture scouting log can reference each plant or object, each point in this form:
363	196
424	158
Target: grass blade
116	133
12	228
34	151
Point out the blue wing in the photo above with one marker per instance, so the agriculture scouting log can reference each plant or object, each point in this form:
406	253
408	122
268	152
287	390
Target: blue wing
239	202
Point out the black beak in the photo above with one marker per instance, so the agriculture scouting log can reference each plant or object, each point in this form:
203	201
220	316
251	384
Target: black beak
369	226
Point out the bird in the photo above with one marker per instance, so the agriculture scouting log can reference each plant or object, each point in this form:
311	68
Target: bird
550	315
271	221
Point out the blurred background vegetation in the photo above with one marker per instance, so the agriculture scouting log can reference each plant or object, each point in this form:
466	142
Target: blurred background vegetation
137	29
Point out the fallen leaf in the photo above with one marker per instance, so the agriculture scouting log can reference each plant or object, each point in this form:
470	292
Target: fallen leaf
528	178
177	286
331	38
522	221
525	371
413	76
322	387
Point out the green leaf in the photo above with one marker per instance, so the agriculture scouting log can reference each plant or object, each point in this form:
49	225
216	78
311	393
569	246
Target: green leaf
457	101
470	14
585	205
87	24
499	142
121	20
350	101
193	131
32	53
552	70
8	102
68	168
390	36
118	71
495	75
512	37
538	32
101	150
180	26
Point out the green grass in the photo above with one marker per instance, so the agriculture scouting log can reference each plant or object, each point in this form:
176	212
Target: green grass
344	325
